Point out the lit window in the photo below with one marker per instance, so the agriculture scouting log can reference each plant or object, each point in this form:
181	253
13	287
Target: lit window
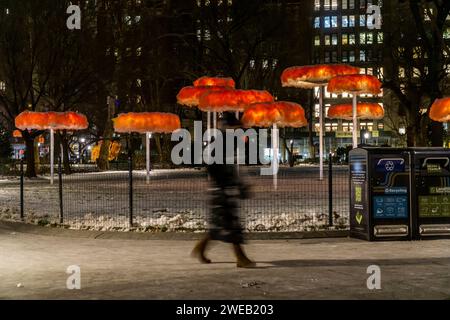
334	21
380	37
351	21
362	21
327	40
351	56
334	39
138	51
327	56
362	55
334	5
352	39
326	4
316	5
351	4
362	38
344	39
344	21
401	72
317	22
362	4
370	71
317	40
369	38
447	32
207	35
344	4
2	86
327	22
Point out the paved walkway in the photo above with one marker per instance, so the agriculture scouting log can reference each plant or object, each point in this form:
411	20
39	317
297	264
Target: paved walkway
33	266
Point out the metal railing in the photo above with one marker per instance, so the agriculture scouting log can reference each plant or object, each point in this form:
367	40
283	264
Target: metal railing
178	199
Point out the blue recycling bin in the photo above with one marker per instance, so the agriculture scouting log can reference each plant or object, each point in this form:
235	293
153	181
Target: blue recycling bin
380	194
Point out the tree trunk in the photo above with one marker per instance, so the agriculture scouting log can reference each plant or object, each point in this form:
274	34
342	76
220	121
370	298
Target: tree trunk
65	156
436	136
37	160
158	147
29	157
312	149
103	162
410	136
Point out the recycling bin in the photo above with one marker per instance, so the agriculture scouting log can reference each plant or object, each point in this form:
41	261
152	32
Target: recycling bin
380	194
430	185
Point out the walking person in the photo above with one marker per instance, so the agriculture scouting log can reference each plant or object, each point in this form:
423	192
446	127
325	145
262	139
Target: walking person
227	189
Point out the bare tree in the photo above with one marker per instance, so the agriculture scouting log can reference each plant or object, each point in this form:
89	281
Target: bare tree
416	64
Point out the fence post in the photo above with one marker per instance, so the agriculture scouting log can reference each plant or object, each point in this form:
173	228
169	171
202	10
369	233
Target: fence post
330	189
130	188
60	191
22	214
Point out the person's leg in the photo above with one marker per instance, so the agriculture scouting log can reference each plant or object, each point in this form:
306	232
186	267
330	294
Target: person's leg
200	248
242	261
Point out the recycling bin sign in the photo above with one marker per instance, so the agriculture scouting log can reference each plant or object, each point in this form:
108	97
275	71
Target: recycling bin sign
379	194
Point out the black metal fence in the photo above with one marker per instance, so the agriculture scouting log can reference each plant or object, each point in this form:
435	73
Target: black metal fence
178	199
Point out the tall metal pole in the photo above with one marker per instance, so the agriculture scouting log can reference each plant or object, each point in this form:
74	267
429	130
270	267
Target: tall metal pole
208	136
130	189
237	147
147	154
321	88
60	191
330	190
355	122
22	214
275	155
52	154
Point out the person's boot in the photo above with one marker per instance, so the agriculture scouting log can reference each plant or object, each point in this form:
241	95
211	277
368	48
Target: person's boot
242	260
199	250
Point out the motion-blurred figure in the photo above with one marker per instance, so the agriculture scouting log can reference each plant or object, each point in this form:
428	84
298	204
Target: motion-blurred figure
227	190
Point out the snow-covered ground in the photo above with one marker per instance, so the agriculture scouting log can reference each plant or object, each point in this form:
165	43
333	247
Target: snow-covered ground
177	200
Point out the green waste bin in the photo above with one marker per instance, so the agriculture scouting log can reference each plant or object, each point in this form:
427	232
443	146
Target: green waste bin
430	185
380	194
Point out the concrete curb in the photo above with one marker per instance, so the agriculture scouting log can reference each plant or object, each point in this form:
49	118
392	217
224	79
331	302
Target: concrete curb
21	227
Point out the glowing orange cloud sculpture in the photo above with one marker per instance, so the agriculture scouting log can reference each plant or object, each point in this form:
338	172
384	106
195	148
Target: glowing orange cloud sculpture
214	82
232	100
143	122
372	111
315	75
355	83
189	96
281	113
51	120
440	110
